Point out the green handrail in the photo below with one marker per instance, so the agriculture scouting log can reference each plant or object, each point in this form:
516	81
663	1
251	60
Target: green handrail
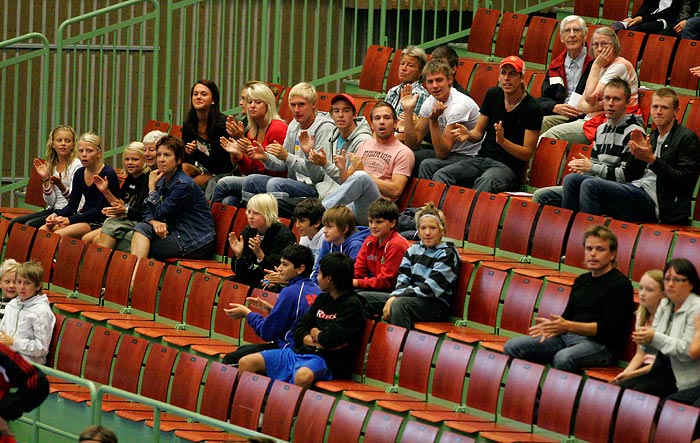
41	129
122	24
97	392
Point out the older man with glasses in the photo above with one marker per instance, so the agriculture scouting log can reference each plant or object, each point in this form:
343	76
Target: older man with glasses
608	63
566	75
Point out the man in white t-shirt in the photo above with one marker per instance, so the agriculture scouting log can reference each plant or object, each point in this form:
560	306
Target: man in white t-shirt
441	111
380	168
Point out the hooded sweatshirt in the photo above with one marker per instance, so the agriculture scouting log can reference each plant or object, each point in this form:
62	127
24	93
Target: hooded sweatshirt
331	177
30	323
297	164
293	301
350	247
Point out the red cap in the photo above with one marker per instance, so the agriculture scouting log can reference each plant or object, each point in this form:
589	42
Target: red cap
516	62
347	98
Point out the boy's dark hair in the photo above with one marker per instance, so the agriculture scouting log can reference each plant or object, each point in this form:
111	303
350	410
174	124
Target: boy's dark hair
447	53
99	433
310	208
383	208
299	255
339	267
342	217
617	82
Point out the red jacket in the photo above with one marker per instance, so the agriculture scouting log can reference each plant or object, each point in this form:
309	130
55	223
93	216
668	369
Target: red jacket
276	132
554	92
377	266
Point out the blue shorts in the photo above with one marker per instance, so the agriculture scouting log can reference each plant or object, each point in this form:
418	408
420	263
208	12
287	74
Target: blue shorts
283	364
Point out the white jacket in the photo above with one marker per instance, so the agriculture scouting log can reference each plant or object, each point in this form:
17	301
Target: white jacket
31	324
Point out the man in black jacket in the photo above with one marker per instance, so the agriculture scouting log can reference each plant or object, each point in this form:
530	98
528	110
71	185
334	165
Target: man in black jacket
663	173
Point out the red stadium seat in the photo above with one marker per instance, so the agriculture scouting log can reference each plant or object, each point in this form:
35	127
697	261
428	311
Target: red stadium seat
485	76
348	420
280	409
414	372
518	403
596	410
482	31
374	68
448	380
19	242
314	411
656	59
510	34
615	9
686	57
547	162
483	391
538	39
635	416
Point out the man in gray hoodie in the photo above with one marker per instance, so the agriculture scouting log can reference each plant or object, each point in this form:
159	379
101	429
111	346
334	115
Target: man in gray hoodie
348	135
302	174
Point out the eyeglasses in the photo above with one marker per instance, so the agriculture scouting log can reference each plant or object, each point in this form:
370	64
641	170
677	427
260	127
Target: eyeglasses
675	280
600	45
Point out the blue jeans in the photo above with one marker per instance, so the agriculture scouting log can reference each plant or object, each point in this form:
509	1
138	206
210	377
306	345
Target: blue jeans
358	191
551	195
622	201
279	187
571	190
481	174
691	30
441	170
228	190
566	352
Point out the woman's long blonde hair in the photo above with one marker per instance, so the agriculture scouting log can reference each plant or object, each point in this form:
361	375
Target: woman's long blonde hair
51	155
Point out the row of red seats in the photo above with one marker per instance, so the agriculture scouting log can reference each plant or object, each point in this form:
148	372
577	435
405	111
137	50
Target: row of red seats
536	40
95	352
602	411
550	235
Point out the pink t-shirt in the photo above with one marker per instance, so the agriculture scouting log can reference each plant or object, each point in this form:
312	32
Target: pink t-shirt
385	160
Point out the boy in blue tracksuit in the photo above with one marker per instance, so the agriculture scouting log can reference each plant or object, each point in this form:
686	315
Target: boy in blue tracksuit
341	234
293	301
326	337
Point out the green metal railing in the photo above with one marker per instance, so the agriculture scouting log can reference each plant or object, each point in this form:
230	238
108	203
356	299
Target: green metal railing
112	69
33	116
97	393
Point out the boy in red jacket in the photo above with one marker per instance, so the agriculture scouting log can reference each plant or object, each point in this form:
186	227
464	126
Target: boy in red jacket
377	263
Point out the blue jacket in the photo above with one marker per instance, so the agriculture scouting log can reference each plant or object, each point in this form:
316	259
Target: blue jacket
350	247
181	205
292	302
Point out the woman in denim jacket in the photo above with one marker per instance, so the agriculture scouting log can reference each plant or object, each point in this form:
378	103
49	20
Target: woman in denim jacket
177	221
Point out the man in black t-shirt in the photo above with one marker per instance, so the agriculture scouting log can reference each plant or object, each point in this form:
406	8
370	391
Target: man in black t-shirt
509	124
595	324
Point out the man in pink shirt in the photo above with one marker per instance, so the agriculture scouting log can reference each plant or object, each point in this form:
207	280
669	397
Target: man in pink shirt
381	167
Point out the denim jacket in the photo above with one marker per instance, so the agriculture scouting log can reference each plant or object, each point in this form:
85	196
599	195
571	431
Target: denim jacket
181	205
